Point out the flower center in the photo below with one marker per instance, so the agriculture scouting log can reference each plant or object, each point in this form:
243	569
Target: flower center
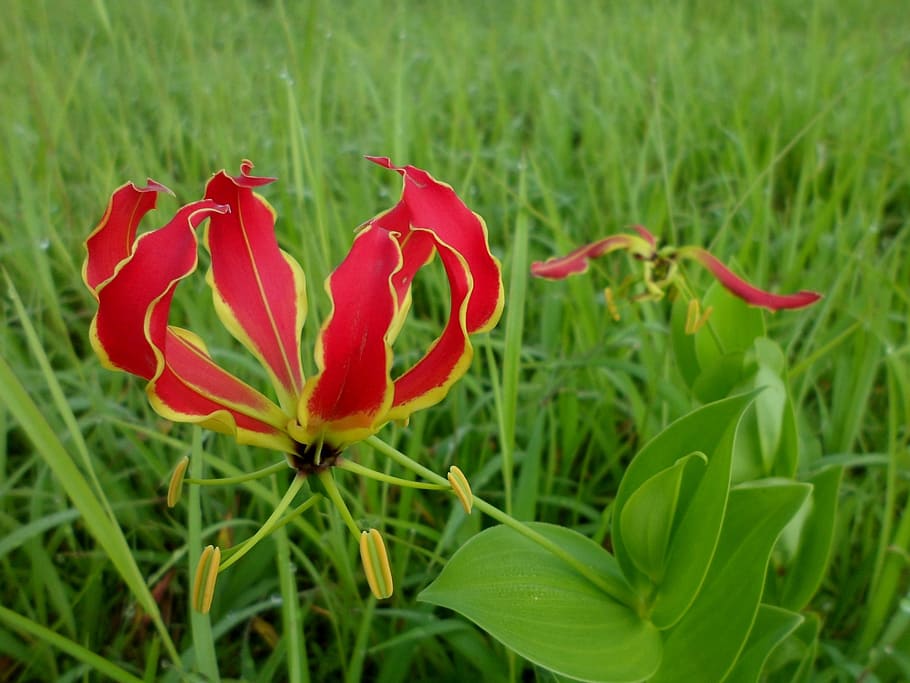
312	458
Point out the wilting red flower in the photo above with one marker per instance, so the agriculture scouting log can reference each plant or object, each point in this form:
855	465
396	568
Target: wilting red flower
662	264
259	295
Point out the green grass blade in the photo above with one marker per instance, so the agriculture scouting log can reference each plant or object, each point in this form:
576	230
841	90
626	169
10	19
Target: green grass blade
103	528
200	624
23	625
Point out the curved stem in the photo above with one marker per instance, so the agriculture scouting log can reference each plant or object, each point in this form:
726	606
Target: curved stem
270	524
381	446
239	479
357	468
331	488
619	590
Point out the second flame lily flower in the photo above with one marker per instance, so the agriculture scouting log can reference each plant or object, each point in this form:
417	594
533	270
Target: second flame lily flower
661	268
260	296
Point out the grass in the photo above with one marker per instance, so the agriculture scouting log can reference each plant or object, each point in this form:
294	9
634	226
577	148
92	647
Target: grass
774	132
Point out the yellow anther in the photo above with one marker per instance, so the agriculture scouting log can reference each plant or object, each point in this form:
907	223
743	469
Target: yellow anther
695	317
206	575
175	487
375	561
611	303
692	313
704	318
461	488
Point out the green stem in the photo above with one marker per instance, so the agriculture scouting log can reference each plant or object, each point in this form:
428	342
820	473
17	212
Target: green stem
331	488
270	525
381	446
612	587
297	511
239	479
357	468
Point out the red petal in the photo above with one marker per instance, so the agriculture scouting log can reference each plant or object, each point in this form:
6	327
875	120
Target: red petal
745	291
112	239
646	235
430	379
427	203
349	397
192	388
130	333
417	250
577	261
133	305
259	290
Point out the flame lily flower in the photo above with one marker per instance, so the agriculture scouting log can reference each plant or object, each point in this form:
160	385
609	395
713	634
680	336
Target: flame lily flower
661	269
260	296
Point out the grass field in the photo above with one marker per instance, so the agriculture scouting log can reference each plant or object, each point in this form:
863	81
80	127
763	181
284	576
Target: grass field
777	133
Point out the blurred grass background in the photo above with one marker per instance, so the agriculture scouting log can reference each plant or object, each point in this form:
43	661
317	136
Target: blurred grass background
775	132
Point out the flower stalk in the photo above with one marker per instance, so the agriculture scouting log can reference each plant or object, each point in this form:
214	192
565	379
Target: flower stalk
270	524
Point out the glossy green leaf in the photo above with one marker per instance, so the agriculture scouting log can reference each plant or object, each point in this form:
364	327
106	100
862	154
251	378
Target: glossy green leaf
718	348
538	605
792	660
732	326
772	625
700	508
767	444
805	545
647	517
705	644
720	377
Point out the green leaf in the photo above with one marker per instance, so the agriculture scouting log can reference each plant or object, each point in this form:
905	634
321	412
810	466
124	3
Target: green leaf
805	544
647	518
792	660
700	508
538	605
719	378
719	346
767	444
772	625
705	644
731	328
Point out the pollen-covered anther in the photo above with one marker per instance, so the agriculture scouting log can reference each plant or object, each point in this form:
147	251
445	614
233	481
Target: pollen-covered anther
175	487
703	318
376	566
610	300
461	488
692	315
695	317
204	581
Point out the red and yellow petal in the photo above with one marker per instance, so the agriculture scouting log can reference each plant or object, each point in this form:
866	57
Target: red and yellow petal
259	291
349	397
577	261
130	331
133	304
431	205
748	293
417	250
192	388
449	357
111	242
